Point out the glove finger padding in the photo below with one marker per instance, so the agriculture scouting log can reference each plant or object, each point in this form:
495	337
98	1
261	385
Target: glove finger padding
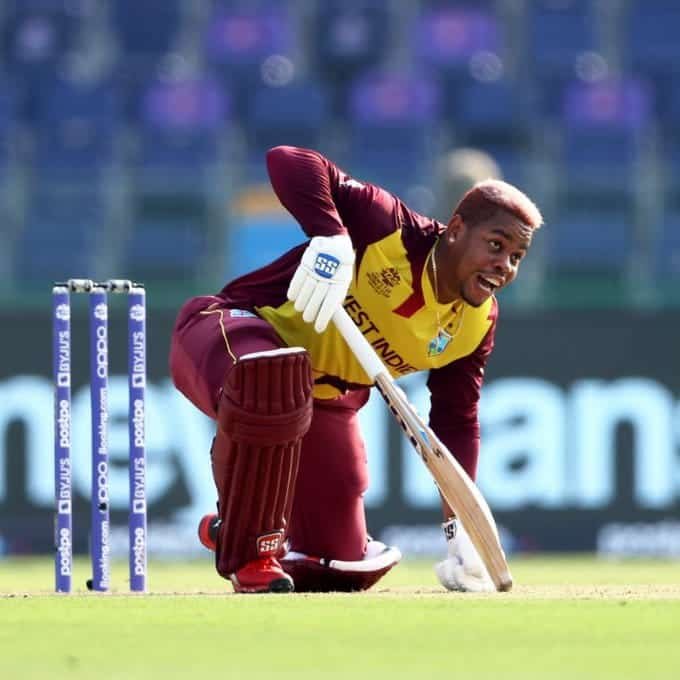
305	294
453	576
332	301
296	282
315	301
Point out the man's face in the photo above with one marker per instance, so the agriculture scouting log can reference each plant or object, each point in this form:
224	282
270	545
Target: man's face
476	261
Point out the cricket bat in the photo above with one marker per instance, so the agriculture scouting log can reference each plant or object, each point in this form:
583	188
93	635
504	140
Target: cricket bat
459	491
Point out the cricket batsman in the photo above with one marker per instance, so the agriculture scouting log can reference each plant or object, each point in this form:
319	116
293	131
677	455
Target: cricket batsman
261	358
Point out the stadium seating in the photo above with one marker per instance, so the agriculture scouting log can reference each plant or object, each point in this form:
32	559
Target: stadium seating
36	34
666	251
244	44
496	116
346	38
563	42
78	117
131	22
62	232
295	113
604	127
9	114
649	43
181	120
393	120
455	43
590	242
140	50
578	101
177	174
169	241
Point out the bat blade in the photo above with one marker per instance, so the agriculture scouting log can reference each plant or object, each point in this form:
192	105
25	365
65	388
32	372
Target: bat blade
455	485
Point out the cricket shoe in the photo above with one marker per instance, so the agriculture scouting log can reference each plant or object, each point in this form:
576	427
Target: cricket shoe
207	531
263	575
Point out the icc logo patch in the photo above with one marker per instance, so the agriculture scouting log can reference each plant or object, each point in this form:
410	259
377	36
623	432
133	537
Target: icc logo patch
137	313
101	312
63	312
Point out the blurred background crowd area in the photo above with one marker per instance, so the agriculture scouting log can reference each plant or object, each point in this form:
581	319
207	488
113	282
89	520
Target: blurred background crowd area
133	132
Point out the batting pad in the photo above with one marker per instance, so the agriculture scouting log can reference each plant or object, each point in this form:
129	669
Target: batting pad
264	411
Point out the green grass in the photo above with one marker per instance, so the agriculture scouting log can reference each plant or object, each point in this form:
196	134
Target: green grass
566	618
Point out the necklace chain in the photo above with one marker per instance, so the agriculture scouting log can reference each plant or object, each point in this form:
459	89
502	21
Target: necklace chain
436	284
441	328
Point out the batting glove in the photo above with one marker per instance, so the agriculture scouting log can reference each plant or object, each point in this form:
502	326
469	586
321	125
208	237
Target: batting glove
320	282
462	569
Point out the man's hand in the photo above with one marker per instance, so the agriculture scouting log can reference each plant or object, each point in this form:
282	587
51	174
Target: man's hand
462	570
320	282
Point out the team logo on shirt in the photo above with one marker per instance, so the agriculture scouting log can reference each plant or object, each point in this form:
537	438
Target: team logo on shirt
384	281
439	343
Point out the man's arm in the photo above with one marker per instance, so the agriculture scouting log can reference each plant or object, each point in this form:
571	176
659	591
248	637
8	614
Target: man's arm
326	201
340	215
303	181
455	391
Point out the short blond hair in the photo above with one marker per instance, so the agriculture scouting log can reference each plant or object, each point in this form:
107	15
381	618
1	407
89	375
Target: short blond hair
489	196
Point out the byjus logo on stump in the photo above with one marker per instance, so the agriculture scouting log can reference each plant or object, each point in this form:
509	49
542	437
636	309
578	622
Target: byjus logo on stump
326	265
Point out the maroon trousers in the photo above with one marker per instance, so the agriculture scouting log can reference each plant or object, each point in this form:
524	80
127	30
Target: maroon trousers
328	517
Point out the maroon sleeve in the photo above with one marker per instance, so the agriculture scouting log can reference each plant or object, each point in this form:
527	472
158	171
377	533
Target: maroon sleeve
454	393
326	201
302	180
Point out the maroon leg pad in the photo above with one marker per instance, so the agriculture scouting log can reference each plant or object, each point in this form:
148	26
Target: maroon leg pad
264	411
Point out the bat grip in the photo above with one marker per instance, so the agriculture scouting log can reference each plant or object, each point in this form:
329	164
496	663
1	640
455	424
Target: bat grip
361	348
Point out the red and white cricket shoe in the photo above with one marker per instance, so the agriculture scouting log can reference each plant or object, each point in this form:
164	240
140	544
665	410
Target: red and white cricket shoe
263	575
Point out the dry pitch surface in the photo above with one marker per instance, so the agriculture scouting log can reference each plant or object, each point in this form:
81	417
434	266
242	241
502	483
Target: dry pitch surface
565	618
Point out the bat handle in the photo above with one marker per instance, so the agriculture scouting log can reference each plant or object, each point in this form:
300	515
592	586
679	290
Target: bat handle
361	348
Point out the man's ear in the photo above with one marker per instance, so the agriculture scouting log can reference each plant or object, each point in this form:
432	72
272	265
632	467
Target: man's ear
454	227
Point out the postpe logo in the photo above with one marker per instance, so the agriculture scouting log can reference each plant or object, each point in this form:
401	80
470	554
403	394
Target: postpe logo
139	552
64	550
138	423
137	313
63	312
64	423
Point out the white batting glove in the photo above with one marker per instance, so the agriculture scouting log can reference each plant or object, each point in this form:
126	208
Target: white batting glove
320	282
462	570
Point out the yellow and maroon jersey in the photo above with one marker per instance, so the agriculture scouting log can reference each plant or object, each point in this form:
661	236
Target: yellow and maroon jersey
390	298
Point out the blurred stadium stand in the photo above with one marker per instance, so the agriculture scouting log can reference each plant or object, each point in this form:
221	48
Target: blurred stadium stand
345	38
393	117
132	133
